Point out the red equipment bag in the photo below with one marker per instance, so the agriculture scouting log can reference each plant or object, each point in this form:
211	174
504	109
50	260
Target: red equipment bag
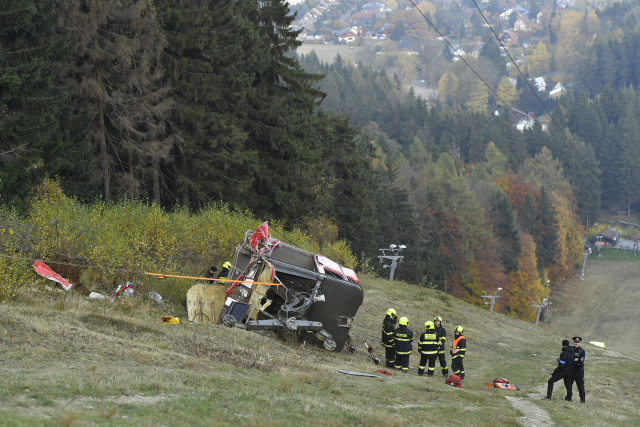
453	380
500	381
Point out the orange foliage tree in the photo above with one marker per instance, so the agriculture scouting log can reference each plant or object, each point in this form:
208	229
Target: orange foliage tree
516	188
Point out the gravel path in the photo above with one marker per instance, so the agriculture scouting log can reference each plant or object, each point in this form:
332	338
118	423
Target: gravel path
534	416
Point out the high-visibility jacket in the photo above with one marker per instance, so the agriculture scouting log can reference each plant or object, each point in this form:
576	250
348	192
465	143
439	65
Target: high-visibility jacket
403	338
459	347
388	332
428	343
442	337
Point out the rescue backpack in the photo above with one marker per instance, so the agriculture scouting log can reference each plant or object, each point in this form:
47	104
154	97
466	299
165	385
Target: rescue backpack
453	380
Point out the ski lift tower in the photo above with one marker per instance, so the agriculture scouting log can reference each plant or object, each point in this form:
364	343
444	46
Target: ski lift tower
539	306
492	298
392	254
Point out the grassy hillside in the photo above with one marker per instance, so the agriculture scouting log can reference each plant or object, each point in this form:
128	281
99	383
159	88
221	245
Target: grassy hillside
605	306
119	365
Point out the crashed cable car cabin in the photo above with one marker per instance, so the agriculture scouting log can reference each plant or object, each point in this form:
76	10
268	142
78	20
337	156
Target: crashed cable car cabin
296	293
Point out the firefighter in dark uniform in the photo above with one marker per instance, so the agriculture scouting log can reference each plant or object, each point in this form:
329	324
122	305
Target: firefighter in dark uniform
578	367
225	270
458	350
442	337
387	341
428	349
564	371
403	338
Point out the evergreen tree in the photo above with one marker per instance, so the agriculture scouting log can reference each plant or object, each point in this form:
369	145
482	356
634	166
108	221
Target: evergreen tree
32	109
491	51
117	65
479	98
628	172
547	244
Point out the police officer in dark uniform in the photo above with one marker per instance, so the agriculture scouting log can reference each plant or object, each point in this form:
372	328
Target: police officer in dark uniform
442	338
564	371
403	337
211	274
578	367
428	349
388	332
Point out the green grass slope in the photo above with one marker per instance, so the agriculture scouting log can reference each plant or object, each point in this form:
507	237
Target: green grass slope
605	306
91	364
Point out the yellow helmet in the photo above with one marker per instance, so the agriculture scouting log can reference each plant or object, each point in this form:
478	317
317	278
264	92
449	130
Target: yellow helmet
429	325
438	318
226	265
458	329
403	321
391	313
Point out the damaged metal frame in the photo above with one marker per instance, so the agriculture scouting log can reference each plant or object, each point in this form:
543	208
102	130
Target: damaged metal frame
312	298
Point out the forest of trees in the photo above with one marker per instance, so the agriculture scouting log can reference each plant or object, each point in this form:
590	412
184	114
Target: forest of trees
187	103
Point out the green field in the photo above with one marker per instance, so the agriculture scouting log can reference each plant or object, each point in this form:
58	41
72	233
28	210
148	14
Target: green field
117	364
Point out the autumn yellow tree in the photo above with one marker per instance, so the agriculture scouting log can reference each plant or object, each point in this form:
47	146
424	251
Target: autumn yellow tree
572	40
479	97
413	23
428	9
407	62
496	162
448	88
570	244
539	62
525	285
507	93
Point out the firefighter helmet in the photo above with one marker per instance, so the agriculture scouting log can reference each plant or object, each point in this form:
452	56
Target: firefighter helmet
438	318
226	265
458	329
429	325
391	313
403	321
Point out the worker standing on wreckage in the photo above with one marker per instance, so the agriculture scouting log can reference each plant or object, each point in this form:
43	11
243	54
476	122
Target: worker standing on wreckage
403	338
442	338
388	342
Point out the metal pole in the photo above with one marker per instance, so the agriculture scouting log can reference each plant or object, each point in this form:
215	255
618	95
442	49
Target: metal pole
548	313
394	264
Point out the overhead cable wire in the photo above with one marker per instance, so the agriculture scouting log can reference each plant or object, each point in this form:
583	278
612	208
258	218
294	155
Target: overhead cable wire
461	57
525	79
489	87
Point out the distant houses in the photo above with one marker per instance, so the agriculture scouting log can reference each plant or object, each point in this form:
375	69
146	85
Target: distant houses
557	91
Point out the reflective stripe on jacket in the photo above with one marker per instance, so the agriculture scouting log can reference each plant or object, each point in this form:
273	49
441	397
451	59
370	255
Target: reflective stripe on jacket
428	343
459	346
403	339
442	337
387	332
